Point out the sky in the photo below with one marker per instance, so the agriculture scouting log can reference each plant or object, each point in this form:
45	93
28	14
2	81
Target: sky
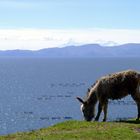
37	24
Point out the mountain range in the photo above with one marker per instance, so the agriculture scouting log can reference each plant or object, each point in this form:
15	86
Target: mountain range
82	51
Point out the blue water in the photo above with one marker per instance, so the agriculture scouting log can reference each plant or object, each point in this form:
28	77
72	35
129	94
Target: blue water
39	92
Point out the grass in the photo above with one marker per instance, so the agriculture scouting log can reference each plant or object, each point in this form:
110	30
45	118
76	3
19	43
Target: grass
81	130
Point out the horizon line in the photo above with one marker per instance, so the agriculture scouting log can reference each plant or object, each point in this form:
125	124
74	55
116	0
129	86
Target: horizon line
35	39
100	45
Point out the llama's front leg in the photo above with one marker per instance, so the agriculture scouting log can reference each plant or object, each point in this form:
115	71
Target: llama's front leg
105	111
99	111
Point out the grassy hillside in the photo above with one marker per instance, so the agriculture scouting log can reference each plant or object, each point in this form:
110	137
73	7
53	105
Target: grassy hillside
81	130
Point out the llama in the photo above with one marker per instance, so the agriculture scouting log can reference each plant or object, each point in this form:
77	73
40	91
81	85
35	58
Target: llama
113	86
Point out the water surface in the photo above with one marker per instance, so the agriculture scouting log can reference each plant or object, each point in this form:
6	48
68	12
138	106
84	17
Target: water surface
39	92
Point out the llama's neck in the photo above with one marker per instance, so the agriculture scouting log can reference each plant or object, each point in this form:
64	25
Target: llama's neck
92	98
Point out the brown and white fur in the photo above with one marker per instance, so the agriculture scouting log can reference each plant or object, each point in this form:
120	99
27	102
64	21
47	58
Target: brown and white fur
113	86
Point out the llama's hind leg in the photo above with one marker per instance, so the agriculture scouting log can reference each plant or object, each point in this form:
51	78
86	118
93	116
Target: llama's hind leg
137	100
138	108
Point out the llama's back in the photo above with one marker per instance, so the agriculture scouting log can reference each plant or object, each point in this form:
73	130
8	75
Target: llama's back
120	77
118	85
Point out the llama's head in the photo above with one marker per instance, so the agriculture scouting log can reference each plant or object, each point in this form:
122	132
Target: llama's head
87	109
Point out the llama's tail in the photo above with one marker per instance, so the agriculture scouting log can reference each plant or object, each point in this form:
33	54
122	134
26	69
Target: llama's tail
138	87
139	76
139	82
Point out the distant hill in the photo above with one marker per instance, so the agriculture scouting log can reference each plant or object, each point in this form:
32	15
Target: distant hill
85	51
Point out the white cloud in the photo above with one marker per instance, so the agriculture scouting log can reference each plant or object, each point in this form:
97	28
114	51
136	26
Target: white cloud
35	39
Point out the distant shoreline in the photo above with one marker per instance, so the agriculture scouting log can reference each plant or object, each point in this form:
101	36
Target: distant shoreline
83	51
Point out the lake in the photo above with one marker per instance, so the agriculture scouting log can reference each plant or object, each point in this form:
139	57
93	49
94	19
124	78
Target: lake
40	92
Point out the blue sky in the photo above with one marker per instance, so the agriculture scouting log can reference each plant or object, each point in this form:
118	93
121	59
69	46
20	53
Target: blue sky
69	17
70	14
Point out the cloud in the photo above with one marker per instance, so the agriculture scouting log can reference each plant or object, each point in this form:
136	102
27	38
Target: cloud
35	39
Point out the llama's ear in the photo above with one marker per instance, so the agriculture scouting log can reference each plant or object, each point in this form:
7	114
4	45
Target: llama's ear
80	100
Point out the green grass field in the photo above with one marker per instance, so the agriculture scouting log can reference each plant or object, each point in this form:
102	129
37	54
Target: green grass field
81	130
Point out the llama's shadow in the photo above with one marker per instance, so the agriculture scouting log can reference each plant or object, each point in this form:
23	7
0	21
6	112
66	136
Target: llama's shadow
131	121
